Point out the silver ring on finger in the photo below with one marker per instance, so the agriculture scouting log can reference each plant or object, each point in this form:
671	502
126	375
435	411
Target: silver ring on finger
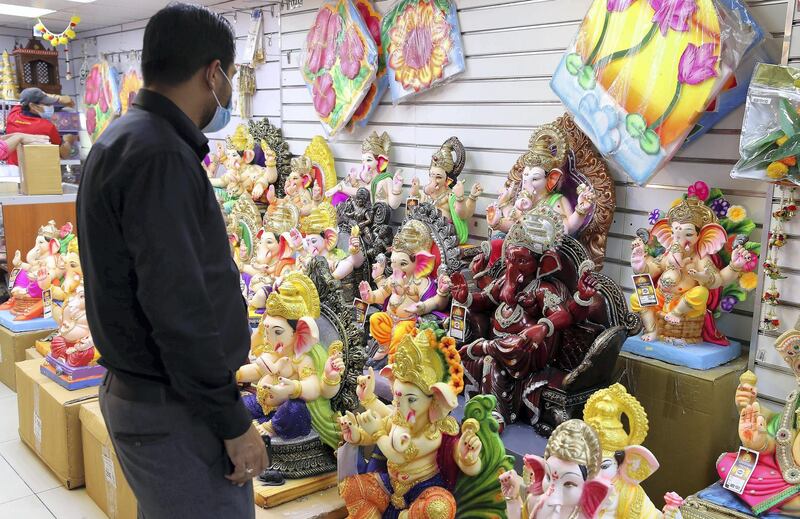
249	471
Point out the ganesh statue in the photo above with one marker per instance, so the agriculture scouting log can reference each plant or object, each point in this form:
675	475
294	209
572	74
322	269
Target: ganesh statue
302	189
43	266
373	175
445	191
696	266
272	257
537	179
291	379
773	488
72	360
626	463
519	319
320	237
424	464
416	287
241	175
565	482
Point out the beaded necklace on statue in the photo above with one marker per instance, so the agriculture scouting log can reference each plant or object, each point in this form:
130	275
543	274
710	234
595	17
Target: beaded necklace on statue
772	273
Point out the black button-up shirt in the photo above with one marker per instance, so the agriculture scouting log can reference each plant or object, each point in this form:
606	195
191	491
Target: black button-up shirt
163	298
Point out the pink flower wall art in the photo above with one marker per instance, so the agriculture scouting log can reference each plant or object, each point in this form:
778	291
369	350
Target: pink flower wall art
101	98
339	63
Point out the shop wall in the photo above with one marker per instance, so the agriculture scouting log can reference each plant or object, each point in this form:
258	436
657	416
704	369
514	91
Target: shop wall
120	45
511	49
776	380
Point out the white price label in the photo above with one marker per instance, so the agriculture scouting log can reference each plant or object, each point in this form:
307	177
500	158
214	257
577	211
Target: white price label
108	468
37	432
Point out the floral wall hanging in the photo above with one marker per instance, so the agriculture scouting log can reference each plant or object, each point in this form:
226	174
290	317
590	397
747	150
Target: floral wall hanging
422	46
641	72
129	86
339	63
101	98
372	19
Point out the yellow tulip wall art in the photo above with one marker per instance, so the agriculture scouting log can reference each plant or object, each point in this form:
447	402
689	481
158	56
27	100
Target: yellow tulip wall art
641	72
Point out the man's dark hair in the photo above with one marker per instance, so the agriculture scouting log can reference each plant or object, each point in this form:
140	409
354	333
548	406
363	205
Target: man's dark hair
181	39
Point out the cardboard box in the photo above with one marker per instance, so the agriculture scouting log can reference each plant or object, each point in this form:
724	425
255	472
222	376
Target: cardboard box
49	422
105	483
40	169
693	419
12	350
32	353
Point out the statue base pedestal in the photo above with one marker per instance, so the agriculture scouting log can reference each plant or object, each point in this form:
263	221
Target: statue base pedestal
70	377
268	497
715	502
33	325
701	355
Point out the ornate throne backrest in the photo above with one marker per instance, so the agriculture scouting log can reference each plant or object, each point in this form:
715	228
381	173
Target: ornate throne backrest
586	166
337	323
443	234
273	136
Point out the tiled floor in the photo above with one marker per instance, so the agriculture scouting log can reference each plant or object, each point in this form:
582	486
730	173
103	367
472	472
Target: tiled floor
28	490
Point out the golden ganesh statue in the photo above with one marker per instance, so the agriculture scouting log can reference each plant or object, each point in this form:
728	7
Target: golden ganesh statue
687	273
318	236
373	175
774	485
409	292
626	463
424	466
445	191
294	377
535	180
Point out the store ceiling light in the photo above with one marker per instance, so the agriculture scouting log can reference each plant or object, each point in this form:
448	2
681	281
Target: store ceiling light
23	11
82	1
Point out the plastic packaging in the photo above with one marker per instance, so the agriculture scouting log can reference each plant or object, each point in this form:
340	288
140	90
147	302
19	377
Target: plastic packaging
640	73
338	63
101	97
422	46
770	142
364	112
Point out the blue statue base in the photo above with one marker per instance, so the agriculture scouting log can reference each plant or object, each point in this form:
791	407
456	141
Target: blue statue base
33	325
701	355
70	377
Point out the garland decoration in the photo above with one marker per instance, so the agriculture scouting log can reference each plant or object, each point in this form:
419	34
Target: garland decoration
61	38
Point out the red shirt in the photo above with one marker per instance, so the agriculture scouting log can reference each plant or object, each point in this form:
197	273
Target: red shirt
18	122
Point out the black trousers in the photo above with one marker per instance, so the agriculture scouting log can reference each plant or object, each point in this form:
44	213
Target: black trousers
174	463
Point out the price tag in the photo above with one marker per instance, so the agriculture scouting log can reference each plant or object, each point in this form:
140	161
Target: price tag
292	4
458	321
37	432
361	308
108	467
645	290
741	471
47	300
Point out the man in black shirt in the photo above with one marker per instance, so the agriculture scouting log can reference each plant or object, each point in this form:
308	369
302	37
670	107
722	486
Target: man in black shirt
162	291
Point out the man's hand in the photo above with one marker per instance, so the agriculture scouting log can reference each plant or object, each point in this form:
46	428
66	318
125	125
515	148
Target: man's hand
248	455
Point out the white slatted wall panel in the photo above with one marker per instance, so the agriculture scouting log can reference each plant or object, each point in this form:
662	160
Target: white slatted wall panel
266	102
775	379
512	47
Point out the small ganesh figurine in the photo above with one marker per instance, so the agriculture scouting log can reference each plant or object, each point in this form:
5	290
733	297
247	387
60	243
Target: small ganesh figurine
73	276
564	483
409	292
689	274
526	309
443	189
293	374
43	262
537	177
297	187
373	175
272	256
320	238
626	463
773	485
430	462
73	344
213	160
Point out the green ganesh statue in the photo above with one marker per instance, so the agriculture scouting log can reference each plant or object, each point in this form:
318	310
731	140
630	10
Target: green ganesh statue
424	465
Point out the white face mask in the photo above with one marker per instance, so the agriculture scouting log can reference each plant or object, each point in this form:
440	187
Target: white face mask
222	115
